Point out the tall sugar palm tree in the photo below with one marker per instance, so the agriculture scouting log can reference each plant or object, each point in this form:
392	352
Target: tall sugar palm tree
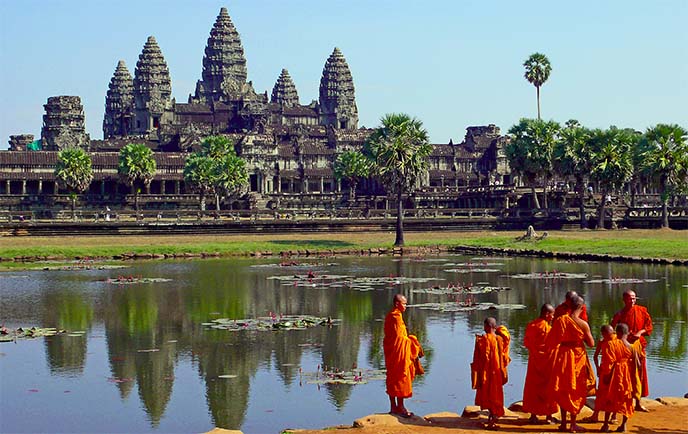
537	72
612	164
667	160
571	158
352	166
400	149
74	171
136	165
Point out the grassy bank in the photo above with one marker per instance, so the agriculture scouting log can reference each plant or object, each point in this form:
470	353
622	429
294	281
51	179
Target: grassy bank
644	243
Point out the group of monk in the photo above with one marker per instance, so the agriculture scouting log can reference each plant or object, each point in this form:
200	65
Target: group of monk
559	376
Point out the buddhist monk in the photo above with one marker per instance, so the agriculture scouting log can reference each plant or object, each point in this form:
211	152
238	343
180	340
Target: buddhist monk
536	399
640	325
569	381
607	333
401	358
489	369
566	306
619	374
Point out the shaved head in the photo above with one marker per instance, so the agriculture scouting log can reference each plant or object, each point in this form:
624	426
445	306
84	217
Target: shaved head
570	295
622	329
399	297
490	322
577	302
606	329
546	308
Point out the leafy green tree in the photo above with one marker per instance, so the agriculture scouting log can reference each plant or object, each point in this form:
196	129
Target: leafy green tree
571	158
667	160
216	169
400	149
74	171
530	152
612	165
352	166
136	165
537	72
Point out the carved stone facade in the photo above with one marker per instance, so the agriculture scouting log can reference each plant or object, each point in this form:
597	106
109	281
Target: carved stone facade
20	142
152	90
284	92
337	94
119	103
64	124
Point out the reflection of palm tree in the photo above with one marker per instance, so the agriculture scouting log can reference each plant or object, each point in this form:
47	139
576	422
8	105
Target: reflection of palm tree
340	351
154	375
68	312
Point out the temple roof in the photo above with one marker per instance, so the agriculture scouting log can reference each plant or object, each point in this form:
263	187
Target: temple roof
120	94
152	76
284	91
336	84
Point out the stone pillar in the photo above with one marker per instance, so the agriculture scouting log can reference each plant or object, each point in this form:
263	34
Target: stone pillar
162	187
339	186
305	185
279	184
8	190
291	185
322	184
177	188
148	188
24	187
102	187
40	186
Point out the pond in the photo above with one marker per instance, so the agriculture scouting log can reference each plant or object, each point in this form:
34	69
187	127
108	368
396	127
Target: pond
138	357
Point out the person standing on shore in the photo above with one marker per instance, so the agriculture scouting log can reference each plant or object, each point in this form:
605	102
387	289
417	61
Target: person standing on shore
569	380
489	369
401	358
536	400
566	307
640	325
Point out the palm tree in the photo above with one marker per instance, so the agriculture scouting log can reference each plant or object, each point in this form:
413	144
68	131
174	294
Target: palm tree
74	171
667	160
571	157
400	149
537	72
530	152
199	174
352	166
136	165
611	163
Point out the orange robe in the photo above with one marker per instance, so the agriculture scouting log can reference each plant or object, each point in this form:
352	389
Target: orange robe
637	318
618	373
564	309
401	354
602	386
570	367
489	371
536	399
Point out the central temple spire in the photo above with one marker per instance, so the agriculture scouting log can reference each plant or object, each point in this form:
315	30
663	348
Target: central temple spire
337	94
224	64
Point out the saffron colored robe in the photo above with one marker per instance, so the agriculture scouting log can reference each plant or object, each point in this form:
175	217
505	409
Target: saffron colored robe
602	386
564	309
489	371
571	371
401	354
637	318
618	373
536	399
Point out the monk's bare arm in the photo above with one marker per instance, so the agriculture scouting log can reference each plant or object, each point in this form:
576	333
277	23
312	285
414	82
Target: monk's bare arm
587	336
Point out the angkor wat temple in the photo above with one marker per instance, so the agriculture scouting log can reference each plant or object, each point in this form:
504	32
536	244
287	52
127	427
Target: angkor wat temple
289	147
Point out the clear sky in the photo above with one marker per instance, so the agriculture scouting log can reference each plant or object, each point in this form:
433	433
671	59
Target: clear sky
450	63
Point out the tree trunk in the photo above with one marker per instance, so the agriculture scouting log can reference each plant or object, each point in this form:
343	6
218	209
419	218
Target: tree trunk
581	203
217	202
634	191
136	204
601	210
352	192
74	207
538	100
536	202
545	202
400	223
664	198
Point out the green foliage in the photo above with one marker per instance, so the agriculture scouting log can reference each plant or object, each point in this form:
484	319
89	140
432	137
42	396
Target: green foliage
136	164
537	68
199	173
572	152
74	169
612	165
666	155
400	149
352	166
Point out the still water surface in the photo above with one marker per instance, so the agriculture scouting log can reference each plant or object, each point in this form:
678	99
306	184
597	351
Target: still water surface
101	381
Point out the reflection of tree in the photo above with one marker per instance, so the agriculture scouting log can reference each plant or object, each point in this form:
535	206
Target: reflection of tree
68	311
340	351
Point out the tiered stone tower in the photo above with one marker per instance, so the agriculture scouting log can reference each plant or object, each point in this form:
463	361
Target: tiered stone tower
152	90
224	65
64	124
119	104
337	96
284	92
20	142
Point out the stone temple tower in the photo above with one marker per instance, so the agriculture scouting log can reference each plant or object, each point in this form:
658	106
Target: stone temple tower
337	95
64	124
119	104
224	65
284	92
152	90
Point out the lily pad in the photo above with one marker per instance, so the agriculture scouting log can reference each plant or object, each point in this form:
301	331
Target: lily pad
460	290
129	280
621	281
272	323
352	377
549	275
465	306
471	270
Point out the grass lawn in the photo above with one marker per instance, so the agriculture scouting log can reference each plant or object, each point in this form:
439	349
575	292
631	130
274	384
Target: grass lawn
645	243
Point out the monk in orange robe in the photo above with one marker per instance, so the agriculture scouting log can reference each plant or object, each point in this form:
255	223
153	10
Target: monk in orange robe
608	335
401	358
536	399
619	374
640	325
566	306
569	381
489	369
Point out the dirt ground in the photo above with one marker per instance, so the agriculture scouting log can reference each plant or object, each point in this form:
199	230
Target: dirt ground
669	418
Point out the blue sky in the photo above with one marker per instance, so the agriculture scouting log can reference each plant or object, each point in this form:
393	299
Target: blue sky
450	63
